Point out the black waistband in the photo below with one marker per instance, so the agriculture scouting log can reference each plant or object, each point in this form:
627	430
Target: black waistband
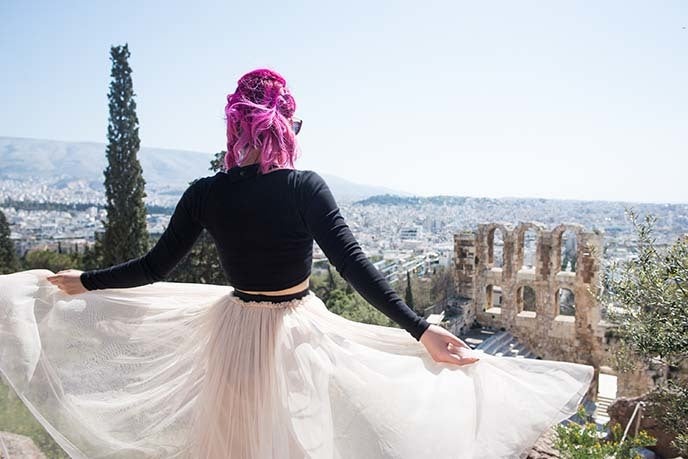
271	298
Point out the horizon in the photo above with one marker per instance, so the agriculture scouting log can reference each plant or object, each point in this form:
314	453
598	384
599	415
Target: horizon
564	102
407	194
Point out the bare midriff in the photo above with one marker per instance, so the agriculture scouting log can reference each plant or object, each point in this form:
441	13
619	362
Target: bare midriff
297	288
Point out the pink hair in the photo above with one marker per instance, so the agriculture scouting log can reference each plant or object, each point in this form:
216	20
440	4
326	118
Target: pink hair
259	115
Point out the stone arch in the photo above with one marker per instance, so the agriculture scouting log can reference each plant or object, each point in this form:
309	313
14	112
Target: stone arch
526	299
557	235
565	301
520	234
493	297
490	242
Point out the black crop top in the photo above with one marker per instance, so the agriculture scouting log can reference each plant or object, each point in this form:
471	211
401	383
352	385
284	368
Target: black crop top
263	226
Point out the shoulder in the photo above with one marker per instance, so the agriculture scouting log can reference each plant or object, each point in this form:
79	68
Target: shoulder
310	180
196	191
314	192
201	184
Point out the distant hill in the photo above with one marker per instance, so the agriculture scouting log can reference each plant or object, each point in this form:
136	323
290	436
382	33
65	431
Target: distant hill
25	158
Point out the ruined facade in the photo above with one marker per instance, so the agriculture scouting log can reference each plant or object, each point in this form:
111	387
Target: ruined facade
545	300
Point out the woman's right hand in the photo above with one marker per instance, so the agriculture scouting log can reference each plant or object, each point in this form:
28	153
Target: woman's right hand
443	346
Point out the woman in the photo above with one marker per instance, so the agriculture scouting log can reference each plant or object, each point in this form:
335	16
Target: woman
261	369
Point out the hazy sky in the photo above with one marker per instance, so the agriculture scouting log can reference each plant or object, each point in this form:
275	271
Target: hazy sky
576	99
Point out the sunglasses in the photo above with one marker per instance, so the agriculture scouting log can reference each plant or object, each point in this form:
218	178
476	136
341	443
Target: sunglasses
296	125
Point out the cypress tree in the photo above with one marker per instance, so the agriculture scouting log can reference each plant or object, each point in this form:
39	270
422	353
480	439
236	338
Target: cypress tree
409	292
125	234
8	259
330	278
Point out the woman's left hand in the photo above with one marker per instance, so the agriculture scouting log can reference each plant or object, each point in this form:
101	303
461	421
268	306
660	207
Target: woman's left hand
69	281
443	346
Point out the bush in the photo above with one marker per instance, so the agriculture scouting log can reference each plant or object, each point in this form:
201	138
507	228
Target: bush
647	300
583	441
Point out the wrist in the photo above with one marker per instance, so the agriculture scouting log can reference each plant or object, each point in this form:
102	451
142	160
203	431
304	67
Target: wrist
83	277
423	326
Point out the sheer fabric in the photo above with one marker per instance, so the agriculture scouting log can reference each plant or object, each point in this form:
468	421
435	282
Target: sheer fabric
173	370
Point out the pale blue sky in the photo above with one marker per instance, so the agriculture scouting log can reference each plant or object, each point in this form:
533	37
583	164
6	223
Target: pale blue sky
576	99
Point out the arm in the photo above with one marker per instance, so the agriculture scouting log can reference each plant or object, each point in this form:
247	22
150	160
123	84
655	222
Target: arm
323	219
176	241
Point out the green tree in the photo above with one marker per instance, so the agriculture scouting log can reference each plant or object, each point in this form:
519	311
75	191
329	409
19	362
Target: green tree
646	299
90	258
408	296
350	305
125	233
441	284
8	258
330	278
50	259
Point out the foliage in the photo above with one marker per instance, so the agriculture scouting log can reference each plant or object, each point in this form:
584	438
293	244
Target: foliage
408	294
342	299
648	295
49	259
668	403
8	258
583	441
647	300
125	233
352	305
441	285
90	258
16	418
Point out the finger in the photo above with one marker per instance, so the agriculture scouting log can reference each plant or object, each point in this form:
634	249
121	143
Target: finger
457	360
457	342
467	360
450	358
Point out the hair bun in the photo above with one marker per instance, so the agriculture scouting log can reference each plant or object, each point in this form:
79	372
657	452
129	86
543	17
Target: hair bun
258	116
266	87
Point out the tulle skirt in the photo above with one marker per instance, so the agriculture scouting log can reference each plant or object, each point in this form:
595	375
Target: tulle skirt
179	370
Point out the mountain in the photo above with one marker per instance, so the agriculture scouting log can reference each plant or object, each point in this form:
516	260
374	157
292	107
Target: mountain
25	158
22	158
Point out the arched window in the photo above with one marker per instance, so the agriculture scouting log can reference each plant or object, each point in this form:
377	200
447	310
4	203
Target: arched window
526	299
566	302
495	248
568	248
493	297
529	249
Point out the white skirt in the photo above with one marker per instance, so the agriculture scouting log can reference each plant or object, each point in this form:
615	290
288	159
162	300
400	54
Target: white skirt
179	370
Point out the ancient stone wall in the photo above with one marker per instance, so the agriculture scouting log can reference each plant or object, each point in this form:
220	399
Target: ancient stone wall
525	298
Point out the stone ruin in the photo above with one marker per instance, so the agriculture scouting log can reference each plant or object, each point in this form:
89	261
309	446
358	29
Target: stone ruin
542	289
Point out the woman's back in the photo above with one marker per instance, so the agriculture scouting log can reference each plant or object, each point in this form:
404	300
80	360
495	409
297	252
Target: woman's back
263	226
256	221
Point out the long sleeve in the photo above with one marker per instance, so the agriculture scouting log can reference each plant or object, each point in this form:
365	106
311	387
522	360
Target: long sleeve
325	222
176	241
